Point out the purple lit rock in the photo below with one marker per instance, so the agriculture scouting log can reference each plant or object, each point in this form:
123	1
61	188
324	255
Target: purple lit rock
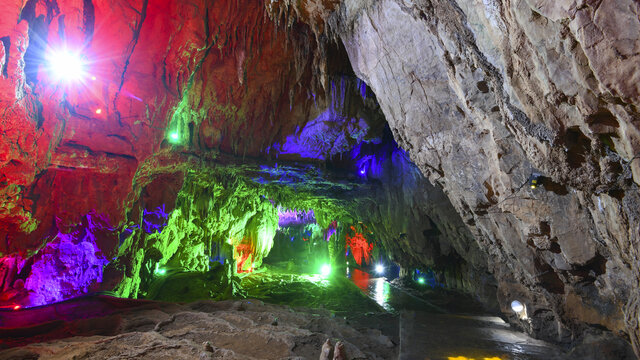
329	134
64	268
295	217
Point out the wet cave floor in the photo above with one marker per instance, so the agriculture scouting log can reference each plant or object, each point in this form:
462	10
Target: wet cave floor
286	315
424	322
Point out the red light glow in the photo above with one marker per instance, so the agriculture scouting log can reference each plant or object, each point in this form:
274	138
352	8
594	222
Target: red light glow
244	251
361	279
359	247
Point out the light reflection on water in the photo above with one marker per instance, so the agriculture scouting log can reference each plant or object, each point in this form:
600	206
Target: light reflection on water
381	293
377	289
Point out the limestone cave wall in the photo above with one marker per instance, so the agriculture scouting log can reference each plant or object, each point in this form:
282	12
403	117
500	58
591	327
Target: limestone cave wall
487	96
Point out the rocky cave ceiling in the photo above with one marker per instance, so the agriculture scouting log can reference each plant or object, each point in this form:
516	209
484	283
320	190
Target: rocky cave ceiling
194	123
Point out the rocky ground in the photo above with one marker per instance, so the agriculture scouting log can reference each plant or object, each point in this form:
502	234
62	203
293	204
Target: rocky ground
247	329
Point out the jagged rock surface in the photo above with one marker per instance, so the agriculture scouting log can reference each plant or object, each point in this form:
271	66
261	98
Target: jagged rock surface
247	329
483	95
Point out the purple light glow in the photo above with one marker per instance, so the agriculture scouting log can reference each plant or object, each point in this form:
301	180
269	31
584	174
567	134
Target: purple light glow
371	159
331	230
329	134
155	220
362	86
288	217
67	266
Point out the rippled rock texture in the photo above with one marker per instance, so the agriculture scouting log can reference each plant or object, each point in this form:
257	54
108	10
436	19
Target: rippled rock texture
246	329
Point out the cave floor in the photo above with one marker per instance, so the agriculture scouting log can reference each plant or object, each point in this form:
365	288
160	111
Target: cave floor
424	323
286	316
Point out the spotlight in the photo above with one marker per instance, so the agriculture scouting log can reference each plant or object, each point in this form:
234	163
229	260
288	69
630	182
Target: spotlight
17	307
65	65
159	270
517	306
325	270
98	111
421	280
174	137
94	78
379	268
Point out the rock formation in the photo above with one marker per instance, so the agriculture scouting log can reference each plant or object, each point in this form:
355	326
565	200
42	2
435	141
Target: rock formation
193	121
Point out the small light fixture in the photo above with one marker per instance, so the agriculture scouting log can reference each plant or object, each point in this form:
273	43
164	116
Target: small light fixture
380	269
17	307
159	270
517	307
325	270
98	111
94	78
534	180
174	137
421	280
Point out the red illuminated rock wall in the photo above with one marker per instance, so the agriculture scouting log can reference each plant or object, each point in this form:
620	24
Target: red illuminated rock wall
219	71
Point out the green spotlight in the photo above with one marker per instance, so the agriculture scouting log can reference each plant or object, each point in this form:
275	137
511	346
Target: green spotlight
159	271
421	280
174	137
325	270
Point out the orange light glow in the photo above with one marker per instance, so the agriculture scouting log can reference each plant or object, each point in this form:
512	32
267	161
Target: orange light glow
360	248
17	307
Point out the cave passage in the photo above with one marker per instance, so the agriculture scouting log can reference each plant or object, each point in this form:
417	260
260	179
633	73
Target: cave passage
333	179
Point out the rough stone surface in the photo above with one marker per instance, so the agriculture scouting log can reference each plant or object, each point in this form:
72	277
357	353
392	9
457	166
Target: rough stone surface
247	329
483	95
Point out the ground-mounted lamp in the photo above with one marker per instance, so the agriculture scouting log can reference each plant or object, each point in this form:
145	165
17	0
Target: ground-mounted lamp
159	271
174	137
519	309
325	270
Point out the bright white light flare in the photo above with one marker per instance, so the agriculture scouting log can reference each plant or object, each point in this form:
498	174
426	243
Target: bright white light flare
65	65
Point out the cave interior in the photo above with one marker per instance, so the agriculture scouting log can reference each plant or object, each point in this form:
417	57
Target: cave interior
239	179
